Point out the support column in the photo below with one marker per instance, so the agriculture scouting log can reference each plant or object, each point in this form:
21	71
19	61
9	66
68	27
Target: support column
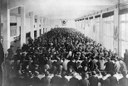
117	45
23	34
88	27
77	22
101	29
94	27
5	20
85	30
89	30
32	24
85	27
5	32
38	20
41	25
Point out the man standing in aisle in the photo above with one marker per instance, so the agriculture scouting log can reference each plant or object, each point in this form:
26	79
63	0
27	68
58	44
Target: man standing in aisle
1	61
126	58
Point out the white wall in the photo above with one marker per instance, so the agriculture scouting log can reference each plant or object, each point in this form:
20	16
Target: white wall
15	19
92	28
27	25
108	31
124	32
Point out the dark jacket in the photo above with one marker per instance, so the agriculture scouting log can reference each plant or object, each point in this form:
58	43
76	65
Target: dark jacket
73	82
84	82
123	82
93	81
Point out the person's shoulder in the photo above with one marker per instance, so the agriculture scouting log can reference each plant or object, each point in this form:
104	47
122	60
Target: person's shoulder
57	77
45	78
95	77
64	79
84	80
112	78
122	79
74	79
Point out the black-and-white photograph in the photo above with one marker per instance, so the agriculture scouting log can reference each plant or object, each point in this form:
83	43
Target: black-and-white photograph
63	42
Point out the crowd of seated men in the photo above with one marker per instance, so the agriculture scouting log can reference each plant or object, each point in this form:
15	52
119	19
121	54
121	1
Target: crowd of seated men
65	57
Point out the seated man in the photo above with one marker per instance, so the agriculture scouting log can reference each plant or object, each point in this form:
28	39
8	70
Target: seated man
84	81
63	80
93	79
55	81
46	80
74	81
113	80
123	81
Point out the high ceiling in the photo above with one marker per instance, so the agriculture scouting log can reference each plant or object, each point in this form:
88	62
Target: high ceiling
67	9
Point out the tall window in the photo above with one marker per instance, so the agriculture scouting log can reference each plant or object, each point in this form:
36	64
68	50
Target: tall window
13	29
